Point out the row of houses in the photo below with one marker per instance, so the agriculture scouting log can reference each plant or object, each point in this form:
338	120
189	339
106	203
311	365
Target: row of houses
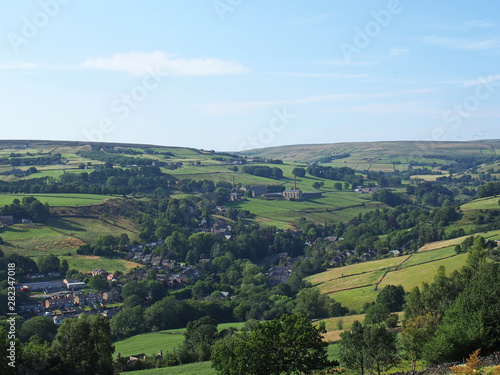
79	299
74	313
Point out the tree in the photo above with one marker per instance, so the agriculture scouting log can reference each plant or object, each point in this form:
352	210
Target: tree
299	172
337	185
199	337
377	314
352	348
317	185
84	346
287	345
43	326
380	345
415	334
98	282
365	347
313	304
393	297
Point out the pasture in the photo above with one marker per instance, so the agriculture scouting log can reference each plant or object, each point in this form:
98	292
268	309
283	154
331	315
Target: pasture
150	343
56	200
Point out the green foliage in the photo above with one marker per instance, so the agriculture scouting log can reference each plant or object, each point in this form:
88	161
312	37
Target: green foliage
98	282
368	347
199	337
84	346
42	326
311	303
285	346
392	297
377	314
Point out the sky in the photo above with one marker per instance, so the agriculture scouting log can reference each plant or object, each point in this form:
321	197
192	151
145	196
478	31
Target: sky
231	75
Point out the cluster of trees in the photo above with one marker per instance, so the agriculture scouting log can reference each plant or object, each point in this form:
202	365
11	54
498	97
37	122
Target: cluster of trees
28	208
340	174
456	314
40	160
403	225
80	347
115	158
104	180
489	190
106	245
263	171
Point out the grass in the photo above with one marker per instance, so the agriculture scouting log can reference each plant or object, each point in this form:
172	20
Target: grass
411	277
482	204
86	263
57	199
355	299
357	284
199	368
150	343
430	255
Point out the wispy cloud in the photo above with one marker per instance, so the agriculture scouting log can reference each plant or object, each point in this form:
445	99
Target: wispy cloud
140	63
482	80
404	108
466	26
326	75
394	52
245	107
466	44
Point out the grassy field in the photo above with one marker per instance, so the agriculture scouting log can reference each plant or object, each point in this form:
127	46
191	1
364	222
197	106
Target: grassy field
332	207
482	204
411	277
150	343
357	284
57	199
200	368
86	263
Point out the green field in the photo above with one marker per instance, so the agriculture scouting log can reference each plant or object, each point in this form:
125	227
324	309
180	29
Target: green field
199	368
357	284
57	199
490	203
150	343
86	263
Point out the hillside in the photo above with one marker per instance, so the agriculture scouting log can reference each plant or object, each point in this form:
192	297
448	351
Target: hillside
384	156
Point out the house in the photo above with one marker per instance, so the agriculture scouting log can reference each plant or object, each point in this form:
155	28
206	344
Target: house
156	261
53	274
99	297
110	277
279	274
26	221
76	285
7	220
161	277
234	197
292	194
110	296
147	258
80	299
59	301
99	271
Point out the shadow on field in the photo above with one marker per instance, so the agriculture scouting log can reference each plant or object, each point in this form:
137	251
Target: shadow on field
64	224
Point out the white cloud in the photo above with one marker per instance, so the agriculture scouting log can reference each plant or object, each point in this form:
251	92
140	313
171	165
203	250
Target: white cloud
462	43
466	26
141	63
246	107
482	80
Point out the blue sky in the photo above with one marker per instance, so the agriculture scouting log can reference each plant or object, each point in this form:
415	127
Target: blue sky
239	74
